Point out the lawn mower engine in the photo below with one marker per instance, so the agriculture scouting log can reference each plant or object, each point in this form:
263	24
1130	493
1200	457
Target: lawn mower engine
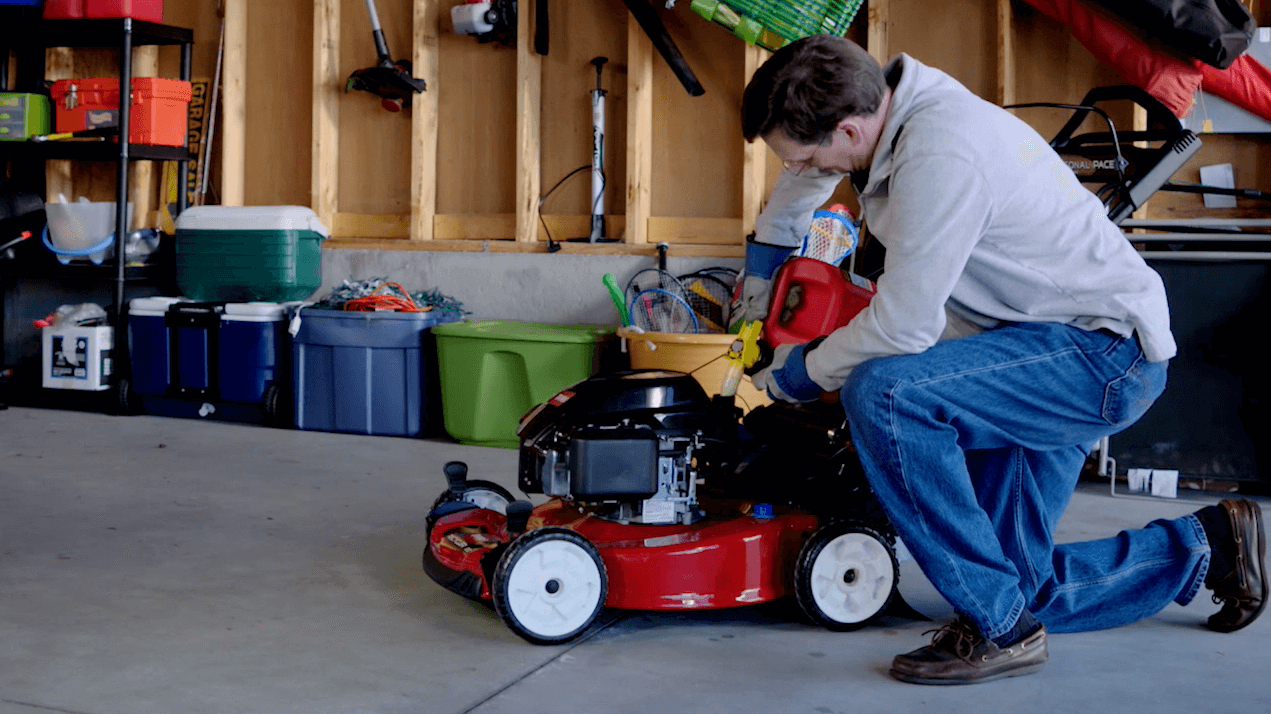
634	444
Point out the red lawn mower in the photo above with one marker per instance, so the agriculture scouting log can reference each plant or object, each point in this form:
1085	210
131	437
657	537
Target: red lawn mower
663	498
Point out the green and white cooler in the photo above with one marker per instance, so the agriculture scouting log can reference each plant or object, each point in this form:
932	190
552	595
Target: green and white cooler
249	253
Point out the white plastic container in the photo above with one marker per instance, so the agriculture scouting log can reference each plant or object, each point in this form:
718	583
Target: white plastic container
78	357
84	230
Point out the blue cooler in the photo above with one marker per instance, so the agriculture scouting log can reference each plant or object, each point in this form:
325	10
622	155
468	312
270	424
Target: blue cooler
149	348
198	359
253	350
368	372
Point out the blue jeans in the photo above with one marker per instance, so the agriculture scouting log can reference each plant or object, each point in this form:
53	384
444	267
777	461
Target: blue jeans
974	447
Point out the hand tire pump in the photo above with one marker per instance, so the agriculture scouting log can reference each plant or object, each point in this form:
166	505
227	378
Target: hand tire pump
598	157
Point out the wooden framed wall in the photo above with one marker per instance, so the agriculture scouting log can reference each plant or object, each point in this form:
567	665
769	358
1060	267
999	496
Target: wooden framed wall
467	168
499	126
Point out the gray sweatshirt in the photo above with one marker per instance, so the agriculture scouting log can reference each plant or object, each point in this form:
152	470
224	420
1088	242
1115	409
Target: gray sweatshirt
983	224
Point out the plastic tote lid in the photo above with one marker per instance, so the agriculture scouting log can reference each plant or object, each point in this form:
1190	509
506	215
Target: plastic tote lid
525	331
251	218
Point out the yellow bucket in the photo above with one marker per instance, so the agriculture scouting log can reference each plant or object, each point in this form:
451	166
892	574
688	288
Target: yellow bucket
705	356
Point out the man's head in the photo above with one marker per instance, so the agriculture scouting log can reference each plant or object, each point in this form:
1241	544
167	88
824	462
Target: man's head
816	103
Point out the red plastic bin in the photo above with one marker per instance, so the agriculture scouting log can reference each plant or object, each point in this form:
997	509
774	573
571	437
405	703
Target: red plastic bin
63	9
160	107
149	10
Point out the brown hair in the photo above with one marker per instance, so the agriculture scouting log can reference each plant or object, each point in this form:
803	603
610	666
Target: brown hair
807	87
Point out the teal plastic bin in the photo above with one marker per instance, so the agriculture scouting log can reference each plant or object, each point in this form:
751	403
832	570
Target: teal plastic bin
249	253
494	371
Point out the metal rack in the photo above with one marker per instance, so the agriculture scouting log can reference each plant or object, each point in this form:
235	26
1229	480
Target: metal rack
1240	246
1219	234
29	41
125	33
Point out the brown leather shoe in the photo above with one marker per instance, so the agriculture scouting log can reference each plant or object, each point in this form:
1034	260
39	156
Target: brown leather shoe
1242	591
959	654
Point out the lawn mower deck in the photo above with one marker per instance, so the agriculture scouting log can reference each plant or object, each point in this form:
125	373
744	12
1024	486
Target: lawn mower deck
716	562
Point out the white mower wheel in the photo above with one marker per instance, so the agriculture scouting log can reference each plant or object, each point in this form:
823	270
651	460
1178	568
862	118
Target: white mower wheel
482	494
550	585
846	576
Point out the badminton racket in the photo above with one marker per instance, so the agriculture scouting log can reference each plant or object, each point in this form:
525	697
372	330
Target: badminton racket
659	310
654	278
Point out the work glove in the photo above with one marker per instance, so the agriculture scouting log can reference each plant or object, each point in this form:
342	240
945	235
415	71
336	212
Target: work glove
762	261
786	377
756	293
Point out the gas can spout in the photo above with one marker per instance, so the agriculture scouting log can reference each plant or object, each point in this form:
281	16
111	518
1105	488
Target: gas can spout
743	353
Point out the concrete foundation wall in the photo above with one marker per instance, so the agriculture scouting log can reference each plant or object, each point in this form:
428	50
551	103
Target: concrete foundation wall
535	287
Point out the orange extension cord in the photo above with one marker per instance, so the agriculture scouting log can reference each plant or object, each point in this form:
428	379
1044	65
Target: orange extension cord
395	298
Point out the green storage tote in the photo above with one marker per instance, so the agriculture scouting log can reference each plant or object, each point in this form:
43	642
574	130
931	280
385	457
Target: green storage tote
494	371
249	253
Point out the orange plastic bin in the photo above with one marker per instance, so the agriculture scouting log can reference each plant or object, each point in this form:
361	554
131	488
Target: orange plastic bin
160	107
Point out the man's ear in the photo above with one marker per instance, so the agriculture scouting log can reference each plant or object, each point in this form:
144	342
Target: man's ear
851	129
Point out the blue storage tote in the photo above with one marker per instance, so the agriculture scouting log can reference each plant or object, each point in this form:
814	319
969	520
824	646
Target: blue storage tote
367	372
208	353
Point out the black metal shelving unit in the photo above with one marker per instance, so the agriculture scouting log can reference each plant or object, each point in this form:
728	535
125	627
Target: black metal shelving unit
29	43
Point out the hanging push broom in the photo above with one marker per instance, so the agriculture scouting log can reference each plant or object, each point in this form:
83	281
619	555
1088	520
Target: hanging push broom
391	81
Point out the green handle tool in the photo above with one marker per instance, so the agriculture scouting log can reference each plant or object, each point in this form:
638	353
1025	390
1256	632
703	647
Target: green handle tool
615	293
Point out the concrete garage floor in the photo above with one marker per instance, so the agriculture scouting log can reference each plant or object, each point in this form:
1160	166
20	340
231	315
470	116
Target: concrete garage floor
154	565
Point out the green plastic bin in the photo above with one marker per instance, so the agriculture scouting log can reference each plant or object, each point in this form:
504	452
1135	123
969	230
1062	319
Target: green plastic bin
494	371
249	253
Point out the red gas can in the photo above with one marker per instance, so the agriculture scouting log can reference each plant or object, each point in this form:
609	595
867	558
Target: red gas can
811	298
159	107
